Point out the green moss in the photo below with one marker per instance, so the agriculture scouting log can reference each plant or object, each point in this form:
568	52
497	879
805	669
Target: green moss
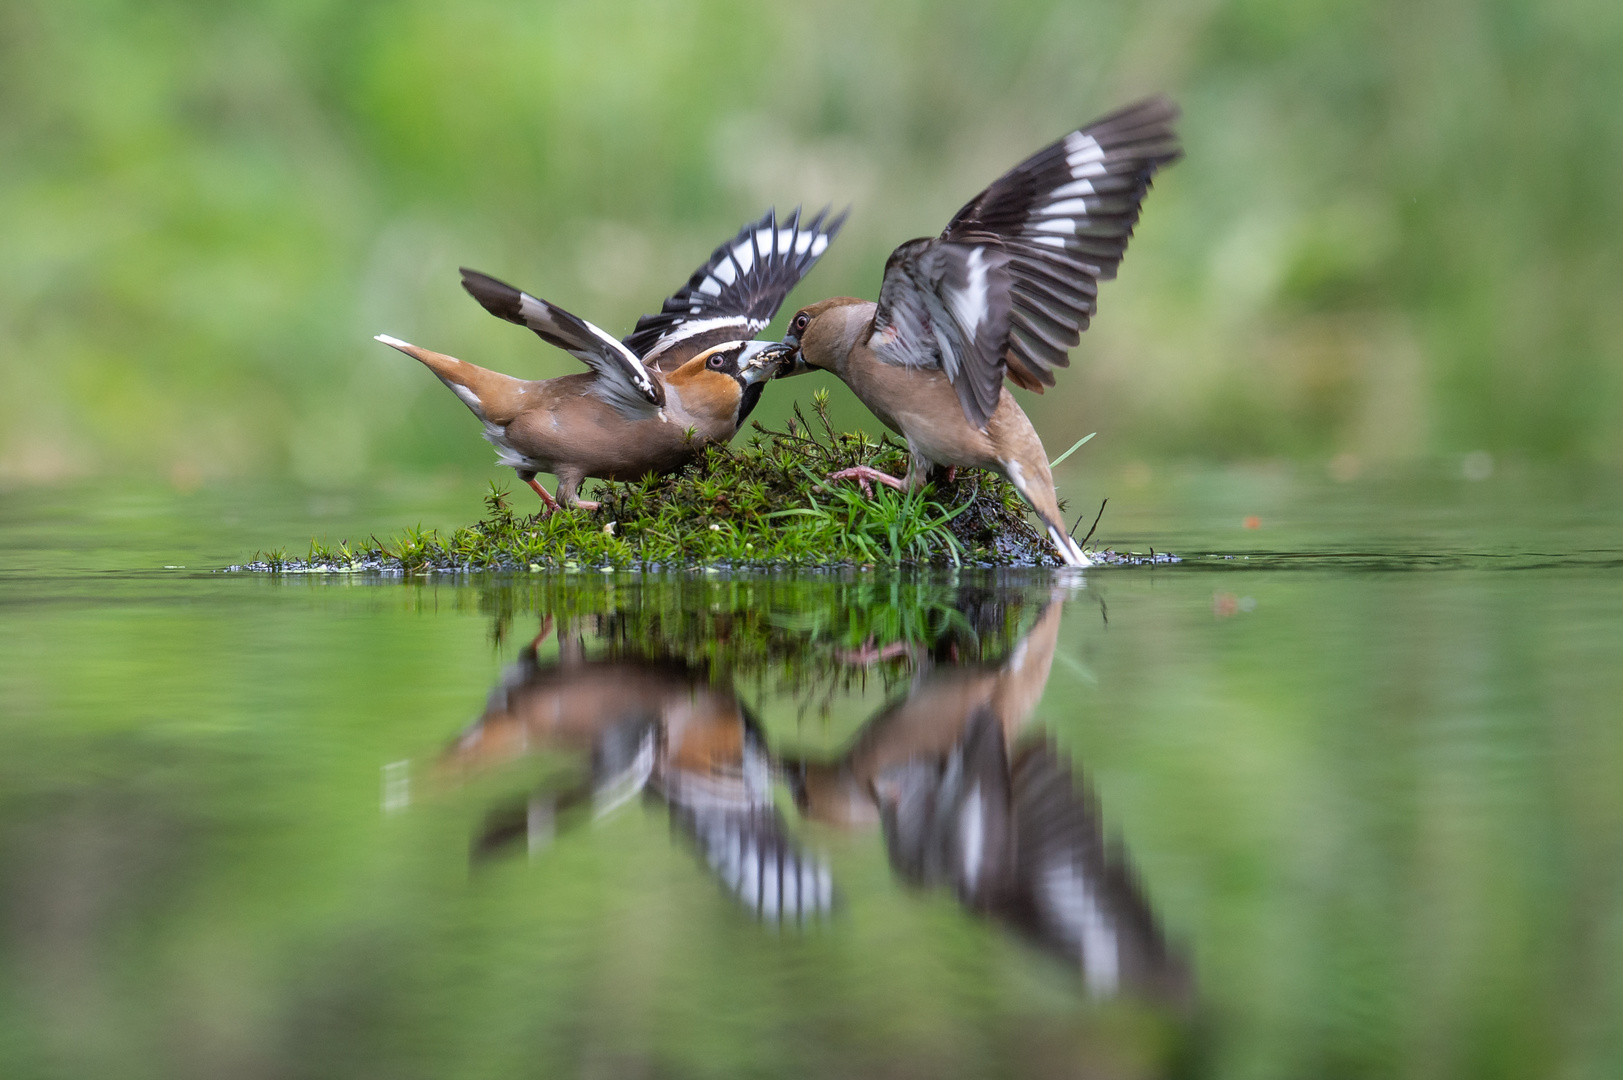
764	504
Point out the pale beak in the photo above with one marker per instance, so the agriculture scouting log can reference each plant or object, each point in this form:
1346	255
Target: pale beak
761	360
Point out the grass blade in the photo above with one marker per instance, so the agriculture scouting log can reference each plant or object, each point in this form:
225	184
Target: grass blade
1074	448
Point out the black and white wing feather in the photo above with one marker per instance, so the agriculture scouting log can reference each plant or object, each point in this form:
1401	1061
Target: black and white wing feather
1061	220
737	291
729	811
945	304
622	379
753	854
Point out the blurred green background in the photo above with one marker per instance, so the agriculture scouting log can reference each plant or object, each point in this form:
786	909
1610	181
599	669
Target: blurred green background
1394	236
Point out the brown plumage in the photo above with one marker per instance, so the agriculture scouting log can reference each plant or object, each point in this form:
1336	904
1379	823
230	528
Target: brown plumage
566	427
1003	293
929	722
642	727
683	377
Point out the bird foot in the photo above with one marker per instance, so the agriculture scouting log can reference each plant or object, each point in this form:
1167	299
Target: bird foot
546	628
862	474
585	504
551	503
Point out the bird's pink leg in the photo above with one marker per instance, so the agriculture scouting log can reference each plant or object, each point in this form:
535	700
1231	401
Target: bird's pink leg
585	504
546	628
868	655
551	503
862	474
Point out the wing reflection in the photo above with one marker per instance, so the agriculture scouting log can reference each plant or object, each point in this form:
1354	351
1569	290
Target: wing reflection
1021	842
966	797
652	728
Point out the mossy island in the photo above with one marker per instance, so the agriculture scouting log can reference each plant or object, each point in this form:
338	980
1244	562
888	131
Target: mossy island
763	505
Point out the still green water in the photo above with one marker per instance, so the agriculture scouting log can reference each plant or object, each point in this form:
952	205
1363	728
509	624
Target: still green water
1347	804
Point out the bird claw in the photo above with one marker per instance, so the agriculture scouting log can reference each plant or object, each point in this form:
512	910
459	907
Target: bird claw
862	474
585	504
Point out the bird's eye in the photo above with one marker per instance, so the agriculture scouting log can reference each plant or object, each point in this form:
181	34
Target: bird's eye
717	360
801	321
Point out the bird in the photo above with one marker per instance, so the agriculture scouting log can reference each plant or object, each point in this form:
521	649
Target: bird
930	719
622	421
685	376
641	724
1002	294
971	801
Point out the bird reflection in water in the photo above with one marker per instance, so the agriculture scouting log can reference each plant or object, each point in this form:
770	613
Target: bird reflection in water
648	727
968	800
966	797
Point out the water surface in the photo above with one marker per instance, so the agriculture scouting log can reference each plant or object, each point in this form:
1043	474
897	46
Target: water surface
1340	795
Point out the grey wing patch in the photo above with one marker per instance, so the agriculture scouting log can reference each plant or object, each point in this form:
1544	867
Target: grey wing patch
1065	215
945	303
738	290
623	380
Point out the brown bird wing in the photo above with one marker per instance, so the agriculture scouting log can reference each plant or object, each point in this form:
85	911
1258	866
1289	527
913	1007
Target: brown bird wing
1061	221
737	291
622	380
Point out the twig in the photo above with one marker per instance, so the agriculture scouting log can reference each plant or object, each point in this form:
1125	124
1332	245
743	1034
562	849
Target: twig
1079	518
785	435
803	423
820	407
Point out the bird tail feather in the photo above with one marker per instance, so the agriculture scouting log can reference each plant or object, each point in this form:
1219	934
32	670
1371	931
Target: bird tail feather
1069	549
1038	491
493	397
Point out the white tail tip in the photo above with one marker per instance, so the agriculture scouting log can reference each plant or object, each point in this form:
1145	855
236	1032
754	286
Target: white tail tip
394	342
1069	549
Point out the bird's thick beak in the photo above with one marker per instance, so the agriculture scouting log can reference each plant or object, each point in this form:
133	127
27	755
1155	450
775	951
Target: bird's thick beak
761	360
795	364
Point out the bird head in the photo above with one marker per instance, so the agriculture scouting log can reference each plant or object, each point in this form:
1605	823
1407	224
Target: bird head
830	793
822	334
725	381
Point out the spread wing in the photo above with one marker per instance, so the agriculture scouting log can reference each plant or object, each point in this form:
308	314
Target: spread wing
734	295
1048	231
622	380
1023	842
726	805
752	853
946	304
